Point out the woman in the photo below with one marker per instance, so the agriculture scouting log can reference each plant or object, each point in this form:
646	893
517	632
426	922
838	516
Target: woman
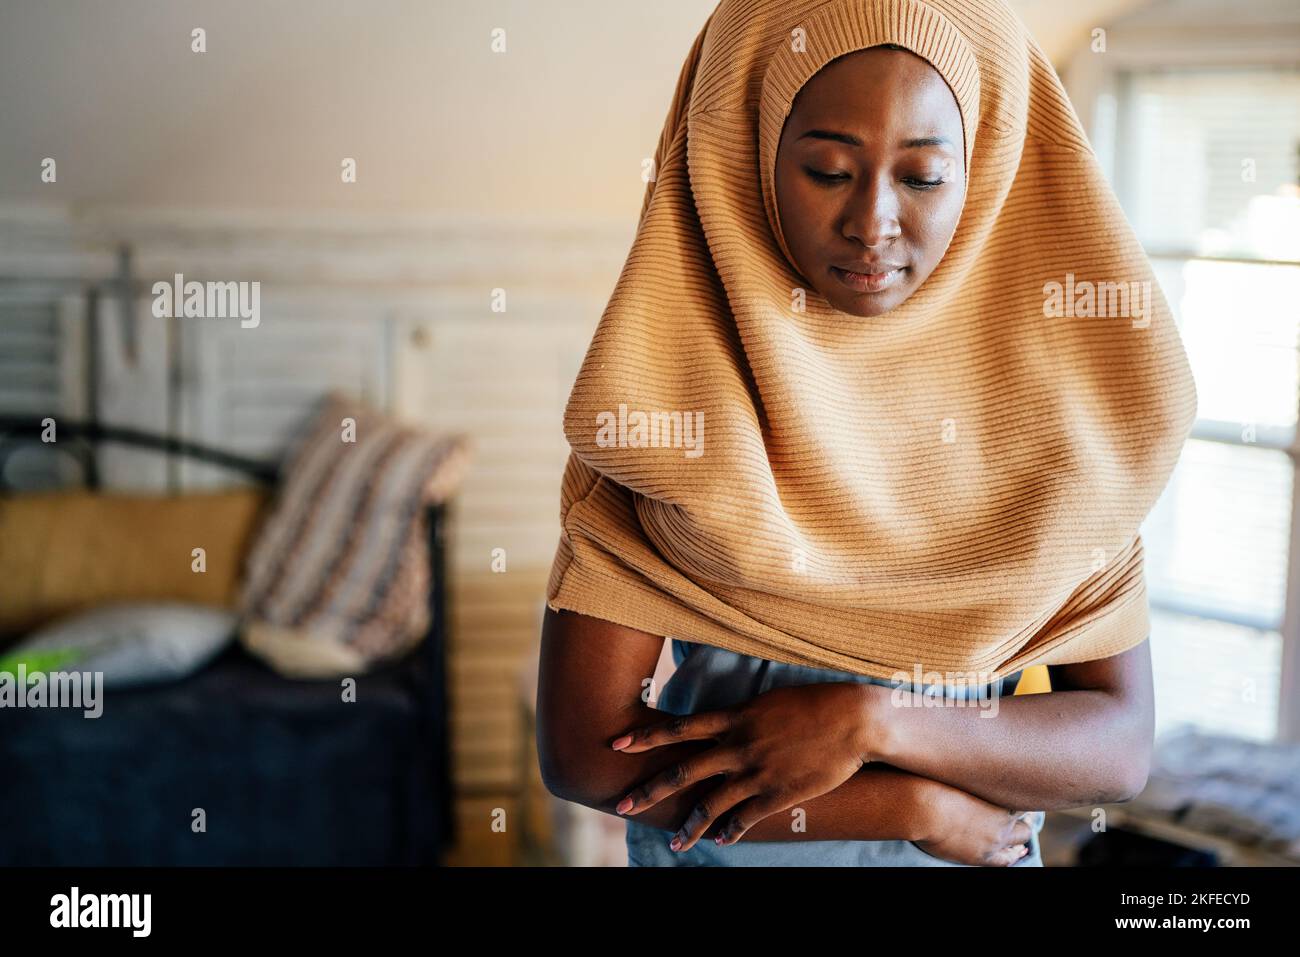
914	479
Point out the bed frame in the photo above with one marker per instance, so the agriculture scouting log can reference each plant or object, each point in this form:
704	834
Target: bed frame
427	664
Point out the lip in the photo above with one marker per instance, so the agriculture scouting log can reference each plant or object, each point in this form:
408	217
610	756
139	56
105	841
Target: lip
886	275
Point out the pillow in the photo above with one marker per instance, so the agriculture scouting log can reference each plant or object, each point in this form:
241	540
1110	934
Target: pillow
132	643
338	577
67	552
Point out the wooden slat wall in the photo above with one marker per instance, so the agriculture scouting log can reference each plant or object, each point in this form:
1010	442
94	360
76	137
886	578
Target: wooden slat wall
502	379
42	353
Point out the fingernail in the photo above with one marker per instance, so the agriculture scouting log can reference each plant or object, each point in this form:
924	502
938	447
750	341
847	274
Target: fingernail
622	742
717	839
675	843
624	805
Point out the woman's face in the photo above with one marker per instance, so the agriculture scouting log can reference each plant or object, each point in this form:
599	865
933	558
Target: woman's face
870	178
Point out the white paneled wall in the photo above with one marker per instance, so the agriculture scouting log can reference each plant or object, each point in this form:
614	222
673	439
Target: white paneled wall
502	379
251	390
133	380
42	346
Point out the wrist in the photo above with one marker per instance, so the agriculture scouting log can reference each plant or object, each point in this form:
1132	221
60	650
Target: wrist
876	741
927	798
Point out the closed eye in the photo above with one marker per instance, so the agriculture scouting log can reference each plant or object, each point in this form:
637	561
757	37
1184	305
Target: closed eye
921	185
825	177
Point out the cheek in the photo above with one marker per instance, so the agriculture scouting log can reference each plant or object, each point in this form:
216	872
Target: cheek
799	209
934	225
804	221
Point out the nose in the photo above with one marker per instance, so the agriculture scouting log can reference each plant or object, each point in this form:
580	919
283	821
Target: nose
871	216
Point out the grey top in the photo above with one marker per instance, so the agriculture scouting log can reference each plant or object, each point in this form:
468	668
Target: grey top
708	678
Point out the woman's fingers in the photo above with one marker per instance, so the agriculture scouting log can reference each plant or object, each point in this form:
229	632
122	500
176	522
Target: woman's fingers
745	815
676	776
1008	855
1018	837
682	727
710	807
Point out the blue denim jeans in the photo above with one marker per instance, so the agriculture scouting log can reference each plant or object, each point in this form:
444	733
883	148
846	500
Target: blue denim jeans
709	678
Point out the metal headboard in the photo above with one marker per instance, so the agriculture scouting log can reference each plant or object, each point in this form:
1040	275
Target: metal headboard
81	439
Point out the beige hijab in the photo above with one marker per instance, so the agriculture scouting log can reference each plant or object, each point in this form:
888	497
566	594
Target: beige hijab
955	485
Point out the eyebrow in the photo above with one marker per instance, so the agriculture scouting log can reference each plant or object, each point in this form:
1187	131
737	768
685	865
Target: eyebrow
852	140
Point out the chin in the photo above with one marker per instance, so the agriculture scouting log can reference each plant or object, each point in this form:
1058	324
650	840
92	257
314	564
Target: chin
867	305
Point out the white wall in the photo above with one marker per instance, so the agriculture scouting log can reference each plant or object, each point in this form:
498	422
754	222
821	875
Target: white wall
555	128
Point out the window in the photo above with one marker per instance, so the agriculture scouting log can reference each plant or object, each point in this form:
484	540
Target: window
1206	163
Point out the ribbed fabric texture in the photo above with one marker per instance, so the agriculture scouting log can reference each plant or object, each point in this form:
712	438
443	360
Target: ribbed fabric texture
956	484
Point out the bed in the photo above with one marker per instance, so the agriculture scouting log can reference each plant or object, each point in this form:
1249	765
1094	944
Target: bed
278	771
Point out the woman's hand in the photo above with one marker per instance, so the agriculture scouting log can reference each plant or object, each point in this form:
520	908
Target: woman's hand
784	746
967	830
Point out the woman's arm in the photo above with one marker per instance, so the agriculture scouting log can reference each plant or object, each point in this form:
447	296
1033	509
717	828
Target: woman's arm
1086	742
589	691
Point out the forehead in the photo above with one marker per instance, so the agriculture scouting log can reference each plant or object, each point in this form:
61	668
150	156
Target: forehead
877	90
